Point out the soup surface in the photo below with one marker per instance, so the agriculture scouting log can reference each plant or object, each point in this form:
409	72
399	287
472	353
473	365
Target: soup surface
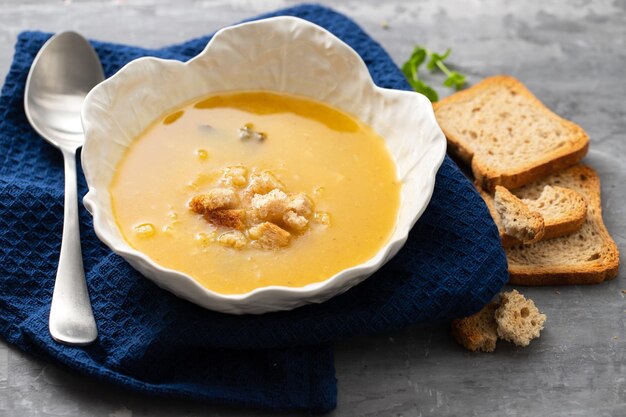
326	158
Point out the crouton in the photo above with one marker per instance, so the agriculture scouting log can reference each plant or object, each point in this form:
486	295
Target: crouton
301	204
276	206
217	198
235	176
269	236
295	221
298	210
233	218
270	206
263	183
519	320
233	238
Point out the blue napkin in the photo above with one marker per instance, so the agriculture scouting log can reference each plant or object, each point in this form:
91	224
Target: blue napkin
154	342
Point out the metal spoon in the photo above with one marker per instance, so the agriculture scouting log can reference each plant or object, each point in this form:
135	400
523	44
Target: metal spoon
63	72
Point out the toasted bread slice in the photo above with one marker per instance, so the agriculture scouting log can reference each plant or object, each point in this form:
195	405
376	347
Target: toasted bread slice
478	331
507	135
518	320
564	212
516	218
588	256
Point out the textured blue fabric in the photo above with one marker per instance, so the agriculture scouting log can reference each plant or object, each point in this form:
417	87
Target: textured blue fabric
153	342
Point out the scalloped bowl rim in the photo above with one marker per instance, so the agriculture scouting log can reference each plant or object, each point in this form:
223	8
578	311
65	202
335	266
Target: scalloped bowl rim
362	270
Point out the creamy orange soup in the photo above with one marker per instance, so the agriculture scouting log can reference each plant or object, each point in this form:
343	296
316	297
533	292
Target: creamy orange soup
334	162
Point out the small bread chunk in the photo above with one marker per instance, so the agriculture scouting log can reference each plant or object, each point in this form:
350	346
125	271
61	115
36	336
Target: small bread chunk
563	210
507	136
517	219
232	238
477	332
217	198
235	176
269	236
295	221
519	321
270	206
263	183
233	218
298	211
301	204
292	211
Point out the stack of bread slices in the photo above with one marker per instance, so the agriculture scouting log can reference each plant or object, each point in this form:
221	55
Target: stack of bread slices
526	164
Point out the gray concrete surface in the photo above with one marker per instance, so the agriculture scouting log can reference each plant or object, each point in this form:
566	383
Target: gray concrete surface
571	54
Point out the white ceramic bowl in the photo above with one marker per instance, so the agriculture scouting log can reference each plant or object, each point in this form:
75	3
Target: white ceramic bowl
283	54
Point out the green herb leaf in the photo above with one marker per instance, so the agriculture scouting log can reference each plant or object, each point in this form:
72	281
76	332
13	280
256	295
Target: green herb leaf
455	80
435	58
423	88
419	55
411	67
408	70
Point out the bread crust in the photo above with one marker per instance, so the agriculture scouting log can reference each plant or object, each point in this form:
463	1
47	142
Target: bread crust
488	177
565	275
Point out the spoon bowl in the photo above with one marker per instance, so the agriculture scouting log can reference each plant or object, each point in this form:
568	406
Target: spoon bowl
63	72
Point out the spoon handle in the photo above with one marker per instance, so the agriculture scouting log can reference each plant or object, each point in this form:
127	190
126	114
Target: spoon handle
71	317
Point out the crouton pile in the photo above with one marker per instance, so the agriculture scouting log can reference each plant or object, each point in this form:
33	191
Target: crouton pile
255	210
